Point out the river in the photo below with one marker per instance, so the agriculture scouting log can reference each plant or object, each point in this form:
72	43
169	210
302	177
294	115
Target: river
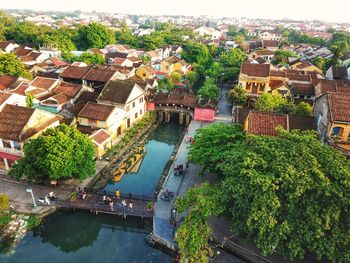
82	237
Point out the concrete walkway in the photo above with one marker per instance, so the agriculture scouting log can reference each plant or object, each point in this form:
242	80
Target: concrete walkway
180	184
22	201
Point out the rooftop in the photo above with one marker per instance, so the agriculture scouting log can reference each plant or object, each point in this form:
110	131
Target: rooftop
96	111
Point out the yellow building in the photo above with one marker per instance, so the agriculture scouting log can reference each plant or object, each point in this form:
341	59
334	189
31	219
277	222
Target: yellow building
18	125
145	72
102	140
173	64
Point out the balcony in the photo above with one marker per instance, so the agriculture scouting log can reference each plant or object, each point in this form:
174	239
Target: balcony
11	151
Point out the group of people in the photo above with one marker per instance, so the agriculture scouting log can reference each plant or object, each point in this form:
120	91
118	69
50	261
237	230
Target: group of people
106	200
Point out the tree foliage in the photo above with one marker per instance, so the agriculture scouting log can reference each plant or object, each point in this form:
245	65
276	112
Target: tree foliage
193	234
281	56
237	96
209	90
289	193
85	57
272	103
61	152
11	66
304	108
94	35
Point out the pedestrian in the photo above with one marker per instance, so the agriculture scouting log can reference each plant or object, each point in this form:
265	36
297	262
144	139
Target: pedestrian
117	194
124	202
111	204
130	206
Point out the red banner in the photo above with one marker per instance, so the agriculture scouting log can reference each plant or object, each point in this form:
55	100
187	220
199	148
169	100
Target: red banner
150	106
204	114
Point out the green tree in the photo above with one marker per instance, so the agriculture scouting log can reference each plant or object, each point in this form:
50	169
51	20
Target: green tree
272	103
304	109
209	90
233	58
146	59
192	77
11	66
165	84
61	152
62	38
175	77
237	96
281	56
85	57
212	143
215	71
22	32
94	35
288	193
29	100
193	234
152	41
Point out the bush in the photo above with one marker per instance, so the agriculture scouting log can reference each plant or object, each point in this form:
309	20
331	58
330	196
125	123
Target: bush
4	202
33	221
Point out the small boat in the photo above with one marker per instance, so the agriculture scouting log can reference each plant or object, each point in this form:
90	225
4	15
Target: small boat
129	164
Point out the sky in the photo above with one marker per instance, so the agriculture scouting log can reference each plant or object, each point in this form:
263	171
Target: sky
334	11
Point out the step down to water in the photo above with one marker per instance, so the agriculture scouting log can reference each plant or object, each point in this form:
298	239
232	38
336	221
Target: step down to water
150	239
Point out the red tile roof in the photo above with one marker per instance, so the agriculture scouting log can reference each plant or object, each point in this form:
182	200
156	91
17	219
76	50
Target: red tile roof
7	81
278	73
255	70
43	83
340	106
100	137
275	84
73	72
100	75
70	90
96	111
264	123
13	119
4	97
305	89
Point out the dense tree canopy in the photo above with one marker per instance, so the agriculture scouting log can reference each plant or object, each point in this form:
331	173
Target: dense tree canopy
94	35
237	96
61	152
61	38
272	103
11	66
289	193
209	90
85	57
304	108
281	56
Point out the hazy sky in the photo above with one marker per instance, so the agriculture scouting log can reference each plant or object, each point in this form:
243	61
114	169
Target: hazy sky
336	10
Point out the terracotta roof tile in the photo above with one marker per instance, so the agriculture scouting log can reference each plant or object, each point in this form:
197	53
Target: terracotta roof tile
116	91
256	70
340	106
43	83
7	81
96	111
13	119
70	90
305	89
74	72
263	123
4	96
100	137
100	75
275	84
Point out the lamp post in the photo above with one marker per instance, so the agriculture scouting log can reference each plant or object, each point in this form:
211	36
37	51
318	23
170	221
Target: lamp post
29	190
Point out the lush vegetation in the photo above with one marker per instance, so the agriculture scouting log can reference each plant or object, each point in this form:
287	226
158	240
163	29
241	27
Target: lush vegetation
11	66
61	152
94	35
85	57
237	96
288	193
272	103
281	57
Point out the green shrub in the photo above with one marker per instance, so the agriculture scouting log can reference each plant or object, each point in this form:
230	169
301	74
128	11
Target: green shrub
33	221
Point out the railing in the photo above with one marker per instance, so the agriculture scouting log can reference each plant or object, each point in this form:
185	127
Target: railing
11	151
129	196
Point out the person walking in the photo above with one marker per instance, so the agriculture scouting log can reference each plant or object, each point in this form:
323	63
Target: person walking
130	206
117	194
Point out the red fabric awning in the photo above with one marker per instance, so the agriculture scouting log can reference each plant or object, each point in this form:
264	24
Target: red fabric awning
9	156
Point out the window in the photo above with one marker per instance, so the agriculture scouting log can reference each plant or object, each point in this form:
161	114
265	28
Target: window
17	146
140	112
102	124
141	100
127	108
84	121
144	74
119	131
6	144
337	132
262	87
136	115
133	104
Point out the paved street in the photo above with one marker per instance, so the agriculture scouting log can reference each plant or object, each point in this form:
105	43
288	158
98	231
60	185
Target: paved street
22	201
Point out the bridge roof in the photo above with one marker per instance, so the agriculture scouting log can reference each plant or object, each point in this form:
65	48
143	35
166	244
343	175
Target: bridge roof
186	100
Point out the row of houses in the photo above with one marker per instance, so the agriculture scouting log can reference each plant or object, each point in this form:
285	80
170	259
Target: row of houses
330	99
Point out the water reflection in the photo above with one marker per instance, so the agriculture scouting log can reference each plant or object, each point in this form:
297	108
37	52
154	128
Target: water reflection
82	237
